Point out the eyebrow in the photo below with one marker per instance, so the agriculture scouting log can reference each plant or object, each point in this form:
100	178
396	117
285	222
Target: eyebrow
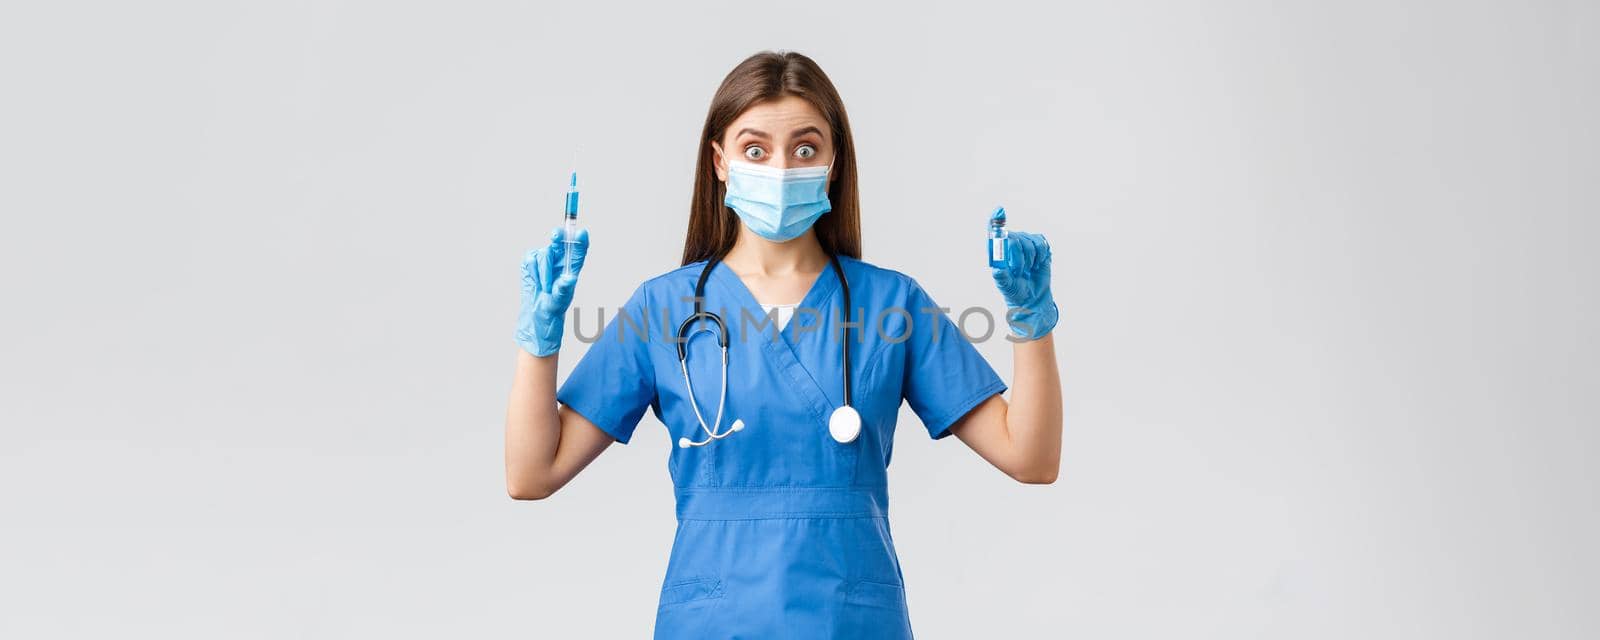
795	134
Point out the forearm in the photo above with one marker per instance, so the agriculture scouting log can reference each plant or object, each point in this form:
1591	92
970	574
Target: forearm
533	427
1034	414
1022	436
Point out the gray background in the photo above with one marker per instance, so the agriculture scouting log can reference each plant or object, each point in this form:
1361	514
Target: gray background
1328	309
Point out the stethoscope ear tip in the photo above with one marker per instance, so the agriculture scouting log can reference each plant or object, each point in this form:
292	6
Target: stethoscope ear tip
738	425
683	443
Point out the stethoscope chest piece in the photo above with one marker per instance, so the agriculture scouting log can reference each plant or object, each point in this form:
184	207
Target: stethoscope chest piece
845	424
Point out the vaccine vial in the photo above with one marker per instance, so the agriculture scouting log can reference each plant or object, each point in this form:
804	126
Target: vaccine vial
997	238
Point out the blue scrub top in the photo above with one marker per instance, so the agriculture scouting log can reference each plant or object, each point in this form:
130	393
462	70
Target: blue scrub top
782	531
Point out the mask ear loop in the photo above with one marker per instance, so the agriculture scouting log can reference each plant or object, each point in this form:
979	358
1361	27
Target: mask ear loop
720	160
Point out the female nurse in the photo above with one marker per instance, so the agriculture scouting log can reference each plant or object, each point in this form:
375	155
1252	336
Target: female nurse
782	437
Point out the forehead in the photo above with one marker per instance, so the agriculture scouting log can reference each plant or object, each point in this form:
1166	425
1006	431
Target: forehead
779	116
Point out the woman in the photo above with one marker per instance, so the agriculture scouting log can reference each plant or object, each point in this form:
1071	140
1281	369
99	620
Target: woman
780	470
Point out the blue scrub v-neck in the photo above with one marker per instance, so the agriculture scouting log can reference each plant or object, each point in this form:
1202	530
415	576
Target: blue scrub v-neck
782	351
816	298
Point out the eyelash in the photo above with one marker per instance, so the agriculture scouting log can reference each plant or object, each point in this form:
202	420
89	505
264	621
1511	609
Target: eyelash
814	148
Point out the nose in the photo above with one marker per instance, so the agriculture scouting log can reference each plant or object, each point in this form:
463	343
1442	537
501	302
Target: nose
786	161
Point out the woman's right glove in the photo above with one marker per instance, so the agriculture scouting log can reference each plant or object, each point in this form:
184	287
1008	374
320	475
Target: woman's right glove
547	292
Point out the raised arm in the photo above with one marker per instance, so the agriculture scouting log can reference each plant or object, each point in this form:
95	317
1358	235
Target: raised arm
546	445
1023	437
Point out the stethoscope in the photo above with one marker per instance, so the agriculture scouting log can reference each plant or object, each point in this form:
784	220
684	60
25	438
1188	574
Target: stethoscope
844	424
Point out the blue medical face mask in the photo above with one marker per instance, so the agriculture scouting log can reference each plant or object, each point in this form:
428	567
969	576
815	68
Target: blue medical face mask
777	204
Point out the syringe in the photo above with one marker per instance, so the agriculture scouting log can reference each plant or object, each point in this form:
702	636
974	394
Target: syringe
571	223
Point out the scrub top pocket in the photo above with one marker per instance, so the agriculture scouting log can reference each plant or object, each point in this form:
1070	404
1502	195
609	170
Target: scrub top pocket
876	594
690	591
687	608
874	610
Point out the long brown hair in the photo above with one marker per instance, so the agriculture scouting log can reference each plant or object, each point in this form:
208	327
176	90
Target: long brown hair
768	75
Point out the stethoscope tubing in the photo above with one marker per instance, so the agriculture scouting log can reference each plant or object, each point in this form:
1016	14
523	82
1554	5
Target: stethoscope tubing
721	331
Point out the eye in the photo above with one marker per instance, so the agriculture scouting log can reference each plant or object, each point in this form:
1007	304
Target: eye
754	152
805	152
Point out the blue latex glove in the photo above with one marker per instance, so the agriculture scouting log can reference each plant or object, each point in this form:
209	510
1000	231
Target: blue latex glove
1025	284
547	292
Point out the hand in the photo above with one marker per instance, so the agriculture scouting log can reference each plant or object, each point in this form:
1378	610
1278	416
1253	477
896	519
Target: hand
547	292
1025	284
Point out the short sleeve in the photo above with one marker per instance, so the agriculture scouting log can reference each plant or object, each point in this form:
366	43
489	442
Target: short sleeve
945	376
614	381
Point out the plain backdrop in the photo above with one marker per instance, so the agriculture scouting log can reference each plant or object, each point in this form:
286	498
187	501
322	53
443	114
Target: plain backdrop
1328	331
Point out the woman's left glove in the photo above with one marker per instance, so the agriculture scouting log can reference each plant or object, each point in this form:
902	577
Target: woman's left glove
547	292
1025	284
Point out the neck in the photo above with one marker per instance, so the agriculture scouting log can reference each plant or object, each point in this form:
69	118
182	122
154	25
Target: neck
754	254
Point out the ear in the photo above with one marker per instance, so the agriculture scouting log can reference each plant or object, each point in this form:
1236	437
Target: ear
717	161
